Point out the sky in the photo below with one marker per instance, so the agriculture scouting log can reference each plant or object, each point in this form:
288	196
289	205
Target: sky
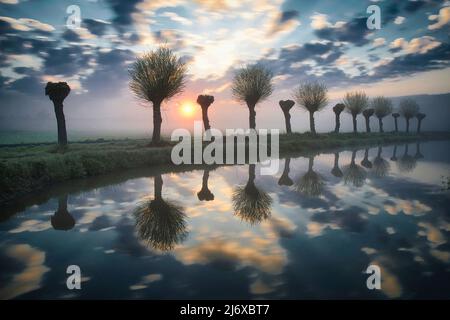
299	41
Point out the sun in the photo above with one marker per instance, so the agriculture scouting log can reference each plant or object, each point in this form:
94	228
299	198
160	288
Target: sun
187	109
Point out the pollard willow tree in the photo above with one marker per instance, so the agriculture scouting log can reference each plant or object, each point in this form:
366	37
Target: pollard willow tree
355	103
367	114
311	96
395	116
382	107
337	109
408	109
420	117
286	106
57	92
155	77
252	84
205	101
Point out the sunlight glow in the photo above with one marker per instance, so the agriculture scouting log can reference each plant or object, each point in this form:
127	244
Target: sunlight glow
187	109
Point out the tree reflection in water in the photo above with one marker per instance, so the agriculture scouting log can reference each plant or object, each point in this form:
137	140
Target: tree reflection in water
366	163
418	154
394	154
205	194
354	173
336	171
160	222
380	166
311	183
285	180
62	220
406	163
250	203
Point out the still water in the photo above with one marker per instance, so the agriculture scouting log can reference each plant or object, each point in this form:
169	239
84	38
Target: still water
309	232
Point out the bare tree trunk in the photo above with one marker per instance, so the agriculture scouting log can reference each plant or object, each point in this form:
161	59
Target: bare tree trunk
380	124
252	116
311	123
158	187
310	163
407	125
396	124
355	129
61	123
205	118
367	124
336	159
338	123
419	123
157	119
287	119
394	154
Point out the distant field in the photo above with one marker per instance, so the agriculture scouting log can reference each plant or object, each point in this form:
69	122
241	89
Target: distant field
18	137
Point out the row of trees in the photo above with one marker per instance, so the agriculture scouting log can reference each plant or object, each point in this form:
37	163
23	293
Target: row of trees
160	75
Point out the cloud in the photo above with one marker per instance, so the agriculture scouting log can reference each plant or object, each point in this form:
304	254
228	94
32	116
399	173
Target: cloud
443	18
176	18
417	45
233	254
27	24
355	31
96	26
284	22
378	42
30	277
399	20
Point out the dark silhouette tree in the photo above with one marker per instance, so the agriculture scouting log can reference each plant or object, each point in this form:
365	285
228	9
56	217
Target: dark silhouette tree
311	183
367	114
354	173
406	163
157	76
420	117
355	103
159	222
336	171
408	109
286	106
394	154
250	203
311	96
57	92
252	84
380	166
205	101
285	180
395	116
62	220
366	163
337	109
382	107
205	194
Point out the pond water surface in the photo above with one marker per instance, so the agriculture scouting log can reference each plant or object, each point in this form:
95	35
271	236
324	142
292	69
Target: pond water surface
308	232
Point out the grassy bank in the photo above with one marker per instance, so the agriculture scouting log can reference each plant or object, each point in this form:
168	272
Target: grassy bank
26	168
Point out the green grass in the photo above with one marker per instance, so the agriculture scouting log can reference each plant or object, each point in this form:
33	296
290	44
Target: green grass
26	168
